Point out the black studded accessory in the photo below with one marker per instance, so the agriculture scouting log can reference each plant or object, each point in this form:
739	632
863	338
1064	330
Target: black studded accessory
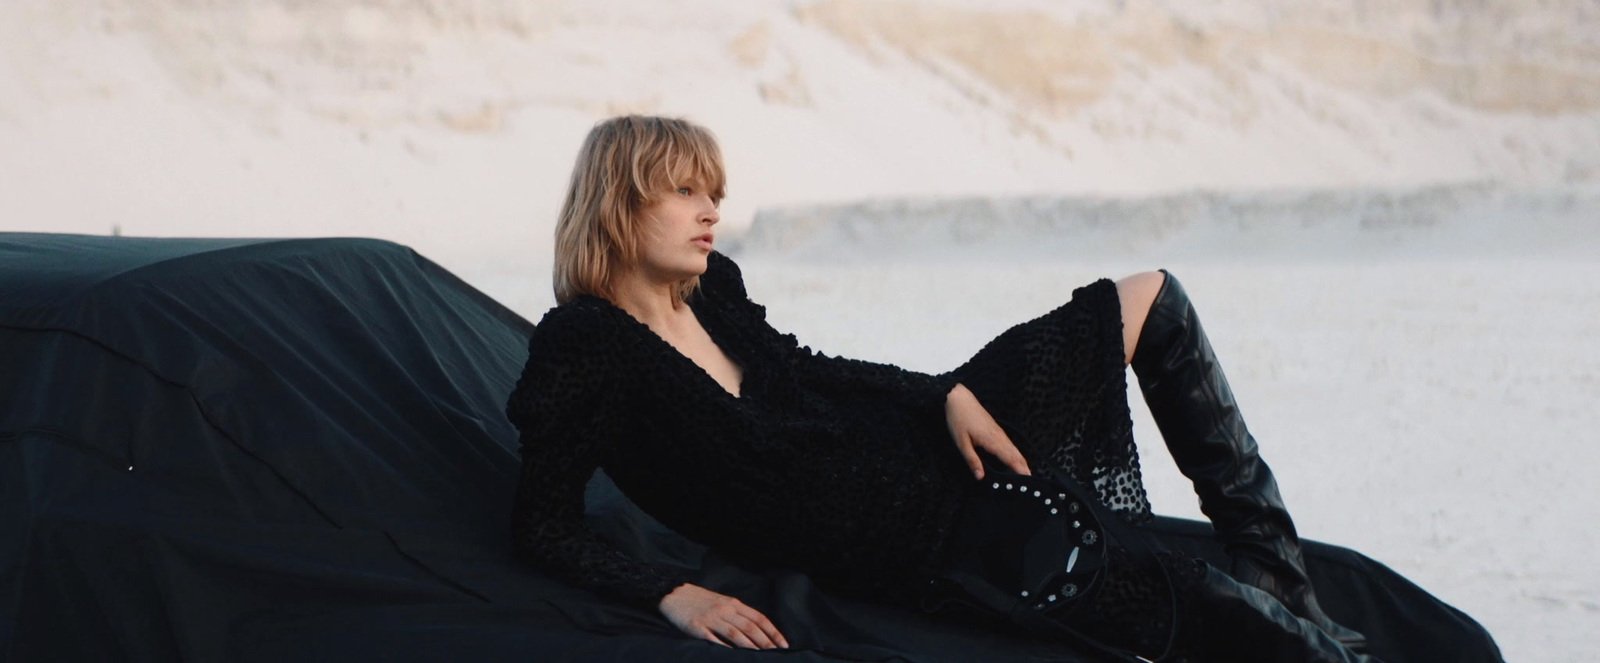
1033	551
1030	537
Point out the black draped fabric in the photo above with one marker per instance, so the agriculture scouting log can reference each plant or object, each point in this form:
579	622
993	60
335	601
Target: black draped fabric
268	450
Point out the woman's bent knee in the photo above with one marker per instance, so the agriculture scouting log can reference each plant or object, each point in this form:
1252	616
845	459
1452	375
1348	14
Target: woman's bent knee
1137	292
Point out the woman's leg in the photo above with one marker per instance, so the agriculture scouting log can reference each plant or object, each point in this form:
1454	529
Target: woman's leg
1137	292
1194	408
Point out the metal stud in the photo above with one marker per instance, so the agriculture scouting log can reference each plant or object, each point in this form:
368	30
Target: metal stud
1051	597
996	485
1046	500
1052	510
1008	486
1035	493
1024	593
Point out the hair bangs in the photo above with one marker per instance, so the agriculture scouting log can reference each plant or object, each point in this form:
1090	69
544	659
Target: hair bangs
679	155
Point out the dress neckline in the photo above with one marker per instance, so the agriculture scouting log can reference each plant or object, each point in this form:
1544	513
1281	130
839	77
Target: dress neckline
744	369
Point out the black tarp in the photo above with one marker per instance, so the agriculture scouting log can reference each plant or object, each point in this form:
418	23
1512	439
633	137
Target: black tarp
273	450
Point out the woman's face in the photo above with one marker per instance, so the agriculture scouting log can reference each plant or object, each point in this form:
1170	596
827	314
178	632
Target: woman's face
678	234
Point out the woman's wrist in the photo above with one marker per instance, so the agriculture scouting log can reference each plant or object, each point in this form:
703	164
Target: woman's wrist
675	592
956	392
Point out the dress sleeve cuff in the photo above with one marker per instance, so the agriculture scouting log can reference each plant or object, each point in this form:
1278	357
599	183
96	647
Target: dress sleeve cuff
648	597
940	387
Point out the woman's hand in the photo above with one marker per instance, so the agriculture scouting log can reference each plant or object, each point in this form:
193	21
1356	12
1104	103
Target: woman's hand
719	618
971	426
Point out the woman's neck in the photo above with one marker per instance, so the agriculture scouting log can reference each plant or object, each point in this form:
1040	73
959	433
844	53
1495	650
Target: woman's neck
653	303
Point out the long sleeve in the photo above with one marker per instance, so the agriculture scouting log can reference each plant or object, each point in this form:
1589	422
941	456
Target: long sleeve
559	405
921	391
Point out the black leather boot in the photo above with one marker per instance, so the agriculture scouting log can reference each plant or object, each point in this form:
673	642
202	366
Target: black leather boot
1193	407
1226	620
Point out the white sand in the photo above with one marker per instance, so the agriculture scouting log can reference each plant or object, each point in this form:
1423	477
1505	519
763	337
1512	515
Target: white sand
1448	394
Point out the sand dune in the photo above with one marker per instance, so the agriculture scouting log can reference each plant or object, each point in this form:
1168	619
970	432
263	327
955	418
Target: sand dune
1056	64
451	124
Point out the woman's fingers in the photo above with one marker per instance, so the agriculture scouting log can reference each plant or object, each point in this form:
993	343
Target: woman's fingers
746	628
1016	461
770	629
744	633
751	629
736	636
999	444
706	633
964	443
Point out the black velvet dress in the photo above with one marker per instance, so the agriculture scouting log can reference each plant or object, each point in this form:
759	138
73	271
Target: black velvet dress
839	468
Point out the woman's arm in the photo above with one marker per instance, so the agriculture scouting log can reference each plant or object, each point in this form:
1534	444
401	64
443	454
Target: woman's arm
970	426
920	391
559	405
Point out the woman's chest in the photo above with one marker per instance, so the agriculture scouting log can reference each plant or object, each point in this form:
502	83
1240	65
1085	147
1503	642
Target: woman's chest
696	345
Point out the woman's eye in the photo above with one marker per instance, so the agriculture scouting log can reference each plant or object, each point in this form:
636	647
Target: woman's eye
684	190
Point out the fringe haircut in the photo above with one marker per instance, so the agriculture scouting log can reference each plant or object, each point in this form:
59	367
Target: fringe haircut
625	163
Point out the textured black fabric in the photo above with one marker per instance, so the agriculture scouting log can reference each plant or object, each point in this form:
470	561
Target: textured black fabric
323	470
842	468
824	464
1058	385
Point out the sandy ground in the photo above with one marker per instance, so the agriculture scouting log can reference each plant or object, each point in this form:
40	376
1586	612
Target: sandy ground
1437	415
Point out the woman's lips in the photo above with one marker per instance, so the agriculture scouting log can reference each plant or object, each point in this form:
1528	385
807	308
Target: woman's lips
703	241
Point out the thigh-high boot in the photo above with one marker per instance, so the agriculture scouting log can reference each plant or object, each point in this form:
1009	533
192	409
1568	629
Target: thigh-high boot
1193	407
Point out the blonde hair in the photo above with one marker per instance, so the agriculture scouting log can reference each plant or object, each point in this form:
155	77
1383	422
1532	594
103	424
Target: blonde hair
625	163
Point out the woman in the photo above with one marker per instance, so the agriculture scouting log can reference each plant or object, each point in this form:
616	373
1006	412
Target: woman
656	366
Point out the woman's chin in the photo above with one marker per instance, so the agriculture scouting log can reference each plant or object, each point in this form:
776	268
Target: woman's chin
699	264
679	267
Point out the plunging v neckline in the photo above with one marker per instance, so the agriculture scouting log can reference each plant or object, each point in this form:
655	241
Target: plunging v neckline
744	372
